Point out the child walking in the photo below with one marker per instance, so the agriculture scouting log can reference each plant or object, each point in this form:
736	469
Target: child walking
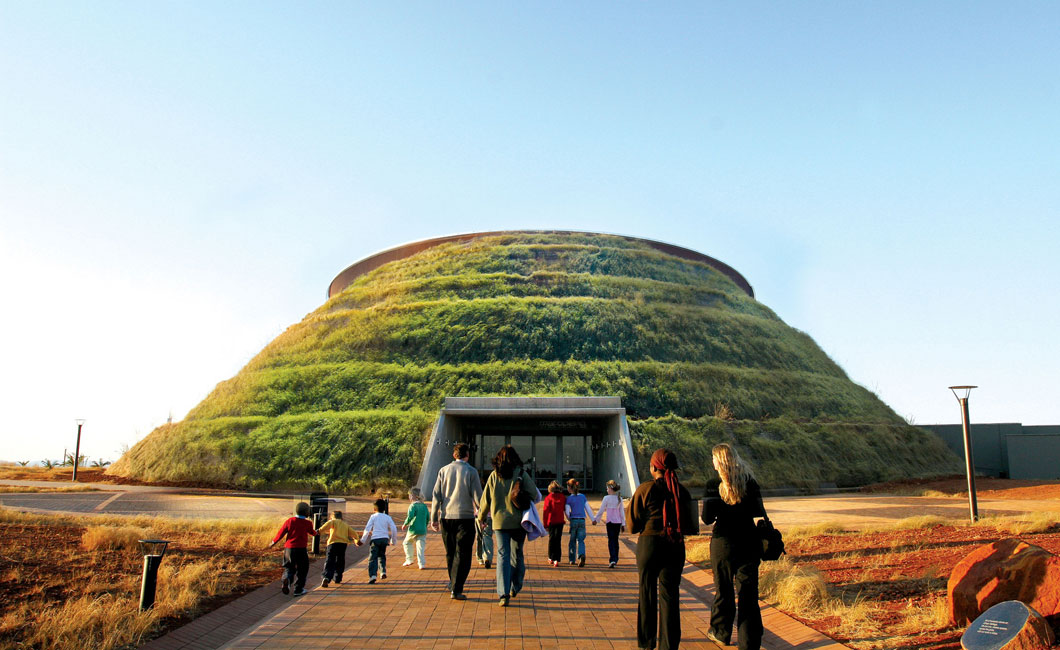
416	523
552	518
297	530
611	509
381	531
576	509
484	541
340	534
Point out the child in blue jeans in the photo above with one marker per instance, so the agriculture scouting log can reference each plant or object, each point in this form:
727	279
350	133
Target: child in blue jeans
577	510
381	531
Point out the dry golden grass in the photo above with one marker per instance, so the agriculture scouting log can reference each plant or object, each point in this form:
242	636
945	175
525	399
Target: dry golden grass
816	530
794	588
697	549
104	622
100	609
1032	522
102	538
917	619
27	489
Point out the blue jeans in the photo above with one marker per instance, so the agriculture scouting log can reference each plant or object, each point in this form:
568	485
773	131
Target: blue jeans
377	555
510	565
577	539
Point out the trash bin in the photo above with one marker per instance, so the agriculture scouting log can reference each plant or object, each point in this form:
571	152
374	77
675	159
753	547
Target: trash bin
318	503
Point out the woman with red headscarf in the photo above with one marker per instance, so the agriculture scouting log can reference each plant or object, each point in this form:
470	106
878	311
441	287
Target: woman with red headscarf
660	511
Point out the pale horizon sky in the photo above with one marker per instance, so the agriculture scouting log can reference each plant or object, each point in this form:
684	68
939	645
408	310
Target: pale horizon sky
180	181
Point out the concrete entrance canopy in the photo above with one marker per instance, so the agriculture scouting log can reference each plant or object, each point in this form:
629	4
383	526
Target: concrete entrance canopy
601	421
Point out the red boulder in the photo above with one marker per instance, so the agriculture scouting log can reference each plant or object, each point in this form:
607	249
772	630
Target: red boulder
1009	569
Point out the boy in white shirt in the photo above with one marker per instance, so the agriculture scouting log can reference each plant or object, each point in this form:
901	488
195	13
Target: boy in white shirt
381	531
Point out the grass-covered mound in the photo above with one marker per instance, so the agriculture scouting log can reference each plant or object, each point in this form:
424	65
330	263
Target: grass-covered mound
346	397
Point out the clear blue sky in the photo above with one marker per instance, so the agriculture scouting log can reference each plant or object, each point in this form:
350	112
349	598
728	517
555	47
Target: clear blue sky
180	181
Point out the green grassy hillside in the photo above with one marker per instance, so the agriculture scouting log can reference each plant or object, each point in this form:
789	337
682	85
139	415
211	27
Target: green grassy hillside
346	397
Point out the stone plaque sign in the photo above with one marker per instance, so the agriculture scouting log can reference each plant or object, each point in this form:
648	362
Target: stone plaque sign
1008	625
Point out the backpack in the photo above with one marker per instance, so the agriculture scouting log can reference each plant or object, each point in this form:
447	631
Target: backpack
772	540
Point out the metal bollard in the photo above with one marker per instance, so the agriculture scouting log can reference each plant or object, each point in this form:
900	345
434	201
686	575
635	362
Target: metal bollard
153	550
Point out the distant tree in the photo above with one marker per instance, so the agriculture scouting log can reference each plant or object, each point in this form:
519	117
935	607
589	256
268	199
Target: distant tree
69	462
22	462
100	463
48	464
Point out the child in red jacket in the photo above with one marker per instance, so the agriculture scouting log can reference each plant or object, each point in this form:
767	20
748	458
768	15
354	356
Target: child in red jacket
552	518
297	529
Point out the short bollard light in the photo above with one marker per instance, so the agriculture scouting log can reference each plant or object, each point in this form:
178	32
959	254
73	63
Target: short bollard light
153	550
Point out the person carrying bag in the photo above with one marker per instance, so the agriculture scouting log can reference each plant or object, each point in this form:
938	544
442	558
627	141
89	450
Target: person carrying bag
506	486
731	503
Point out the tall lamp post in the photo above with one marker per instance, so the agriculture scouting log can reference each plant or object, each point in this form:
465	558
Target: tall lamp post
961	393
77	449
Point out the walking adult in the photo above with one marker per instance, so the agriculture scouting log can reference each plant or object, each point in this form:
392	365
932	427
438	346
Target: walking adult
660	511
508	478
731	503
456	491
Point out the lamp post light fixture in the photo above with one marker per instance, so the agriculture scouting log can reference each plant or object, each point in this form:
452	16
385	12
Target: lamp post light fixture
153	550
961	393
77	449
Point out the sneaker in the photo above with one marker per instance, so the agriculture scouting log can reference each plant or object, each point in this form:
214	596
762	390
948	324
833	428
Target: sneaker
324	582
458	596
371	581
383	576
503	601
422	567
612	565
581	560
572	562
300	592
407	563
488	564
286	588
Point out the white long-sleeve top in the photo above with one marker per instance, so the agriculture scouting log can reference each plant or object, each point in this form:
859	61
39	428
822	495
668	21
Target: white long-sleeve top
613	508
380	526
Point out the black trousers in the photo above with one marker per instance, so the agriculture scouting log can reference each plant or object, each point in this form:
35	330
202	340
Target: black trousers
612	541
735	565
659	562
296	566
458	537
555	542
335	563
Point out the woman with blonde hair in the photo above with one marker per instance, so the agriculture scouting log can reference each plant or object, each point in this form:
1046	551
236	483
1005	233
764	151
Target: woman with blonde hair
731	503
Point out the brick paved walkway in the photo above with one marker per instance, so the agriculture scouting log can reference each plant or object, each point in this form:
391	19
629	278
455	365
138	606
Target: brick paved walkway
568	607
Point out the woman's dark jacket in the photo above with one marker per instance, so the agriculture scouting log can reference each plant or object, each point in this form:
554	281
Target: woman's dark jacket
733	521
646	508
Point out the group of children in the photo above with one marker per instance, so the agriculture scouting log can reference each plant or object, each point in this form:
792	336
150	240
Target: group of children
381	531
574	507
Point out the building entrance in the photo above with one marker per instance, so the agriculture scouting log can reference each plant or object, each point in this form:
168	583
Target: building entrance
558	438
546	457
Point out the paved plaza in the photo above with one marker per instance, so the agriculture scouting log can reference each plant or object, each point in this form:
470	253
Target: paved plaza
590	607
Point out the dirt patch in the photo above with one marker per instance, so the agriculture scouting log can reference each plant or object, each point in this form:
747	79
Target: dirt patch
985	488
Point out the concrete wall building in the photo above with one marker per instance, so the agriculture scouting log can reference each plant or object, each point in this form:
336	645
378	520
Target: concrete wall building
1008	449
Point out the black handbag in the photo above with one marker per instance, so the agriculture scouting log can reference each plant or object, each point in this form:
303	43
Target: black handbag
772	540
